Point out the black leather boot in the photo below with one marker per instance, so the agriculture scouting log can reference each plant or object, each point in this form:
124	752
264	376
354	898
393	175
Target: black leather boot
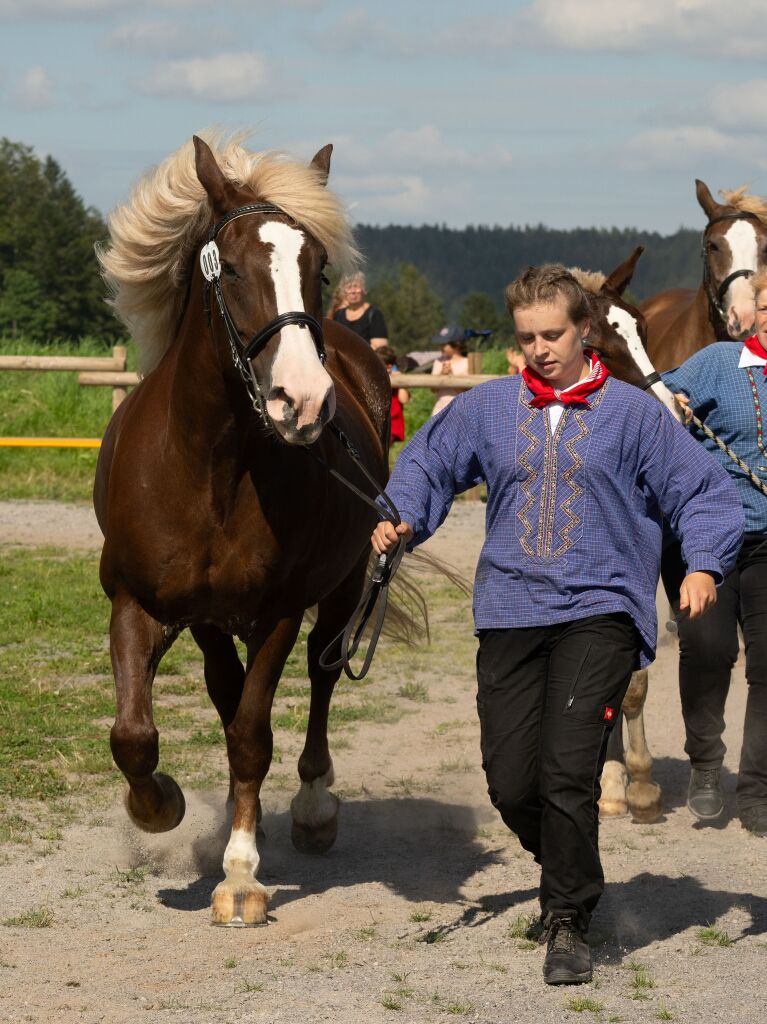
755	820
705	797
568	957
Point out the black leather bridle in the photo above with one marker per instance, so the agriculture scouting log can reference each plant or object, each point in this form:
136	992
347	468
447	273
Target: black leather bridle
243	355
717	297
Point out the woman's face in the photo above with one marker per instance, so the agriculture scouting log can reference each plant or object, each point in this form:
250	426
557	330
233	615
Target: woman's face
354	293
551	342
448	351
761	316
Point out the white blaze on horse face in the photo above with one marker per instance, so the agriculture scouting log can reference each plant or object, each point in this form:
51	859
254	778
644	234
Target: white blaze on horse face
626	326
299	382
738	303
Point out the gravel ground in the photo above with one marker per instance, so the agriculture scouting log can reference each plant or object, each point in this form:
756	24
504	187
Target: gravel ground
411	917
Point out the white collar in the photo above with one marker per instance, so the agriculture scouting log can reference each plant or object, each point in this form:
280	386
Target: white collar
749	359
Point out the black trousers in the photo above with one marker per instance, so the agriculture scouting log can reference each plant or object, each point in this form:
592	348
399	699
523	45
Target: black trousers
547	698
708	648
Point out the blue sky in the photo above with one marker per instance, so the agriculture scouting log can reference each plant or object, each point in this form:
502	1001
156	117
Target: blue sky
562	112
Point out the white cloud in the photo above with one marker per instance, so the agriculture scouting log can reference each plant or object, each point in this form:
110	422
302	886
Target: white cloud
166	38
678	147
418	149
226	77
35	90
740	105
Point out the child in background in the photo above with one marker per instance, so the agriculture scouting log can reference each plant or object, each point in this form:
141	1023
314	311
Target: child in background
399	396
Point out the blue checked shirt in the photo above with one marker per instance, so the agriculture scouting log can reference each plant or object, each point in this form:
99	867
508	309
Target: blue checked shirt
721	395
573	517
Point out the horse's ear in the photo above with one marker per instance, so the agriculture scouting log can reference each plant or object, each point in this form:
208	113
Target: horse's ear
708	204
620	278
221	191
321	161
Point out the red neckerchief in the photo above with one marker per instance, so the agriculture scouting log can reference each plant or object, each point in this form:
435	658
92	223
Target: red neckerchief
545	394
756	348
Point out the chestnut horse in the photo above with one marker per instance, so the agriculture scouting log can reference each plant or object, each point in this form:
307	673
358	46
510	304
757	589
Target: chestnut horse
618	332
680	321
214	515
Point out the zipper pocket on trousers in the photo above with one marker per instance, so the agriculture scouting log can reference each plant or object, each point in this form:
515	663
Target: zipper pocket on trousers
576	679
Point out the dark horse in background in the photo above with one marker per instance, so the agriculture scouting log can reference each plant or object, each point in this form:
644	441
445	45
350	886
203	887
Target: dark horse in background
680	321
214	516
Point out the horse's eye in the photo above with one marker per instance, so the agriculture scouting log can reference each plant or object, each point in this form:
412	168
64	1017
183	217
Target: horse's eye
713	247
229	269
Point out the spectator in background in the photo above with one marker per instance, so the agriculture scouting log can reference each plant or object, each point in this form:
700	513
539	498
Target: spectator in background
515	360
453	361
399	396
359	315
337	301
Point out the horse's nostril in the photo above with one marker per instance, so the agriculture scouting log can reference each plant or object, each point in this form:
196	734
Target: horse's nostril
325	412
280	395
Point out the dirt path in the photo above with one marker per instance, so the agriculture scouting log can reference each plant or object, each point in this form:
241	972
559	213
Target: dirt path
411	916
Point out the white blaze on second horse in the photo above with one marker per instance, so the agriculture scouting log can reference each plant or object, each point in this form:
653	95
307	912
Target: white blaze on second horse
738	302
299	386
626	326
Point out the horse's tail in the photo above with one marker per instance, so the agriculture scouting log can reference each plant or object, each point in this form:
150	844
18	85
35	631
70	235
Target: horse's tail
407	613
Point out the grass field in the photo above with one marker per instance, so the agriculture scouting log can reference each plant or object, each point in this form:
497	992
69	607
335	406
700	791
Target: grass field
56	690
49	404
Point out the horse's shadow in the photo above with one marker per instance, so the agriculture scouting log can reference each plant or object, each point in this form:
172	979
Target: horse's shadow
421	849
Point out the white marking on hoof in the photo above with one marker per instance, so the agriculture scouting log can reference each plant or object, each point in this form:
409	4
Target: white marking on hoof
313	805
612	803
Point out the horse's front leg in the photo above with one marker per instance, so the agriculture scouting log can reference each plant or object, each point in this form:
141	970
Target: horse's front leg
137	642
643	795
314	808
240	900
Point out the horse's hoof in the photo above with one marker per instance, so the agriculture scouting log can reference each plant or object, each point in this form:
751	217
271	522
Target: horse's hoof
645	802
170	806
612	808
315	838
240	905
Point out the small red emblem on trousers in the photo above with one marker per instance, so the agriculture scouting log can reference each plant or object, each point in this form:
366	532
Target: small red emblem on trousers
609	714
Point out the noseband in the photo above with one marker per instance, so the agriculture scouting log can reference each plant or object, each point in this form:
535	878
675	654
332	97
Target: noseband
244	355
716	298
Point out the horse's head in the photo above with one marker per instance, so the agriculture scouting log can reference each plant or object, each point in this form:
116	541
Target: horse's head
264	272
734	248
618	333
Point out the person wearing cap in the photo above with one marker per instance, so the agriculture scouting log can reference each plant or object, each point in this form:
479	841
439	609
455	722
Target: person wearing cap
580	469
452	362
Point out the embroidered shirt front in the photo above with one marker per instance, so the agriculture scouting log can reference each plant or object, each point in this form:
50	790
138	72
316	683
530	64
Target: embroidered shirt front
573	517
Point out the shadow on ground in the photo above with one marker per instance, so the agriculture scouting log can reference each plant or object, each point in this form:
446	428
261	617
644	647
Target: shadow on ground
421	849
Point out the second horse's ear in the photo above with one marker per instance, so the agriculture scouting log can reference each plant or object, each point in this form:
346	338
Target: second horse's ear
708	204
221	191
321	161
620	278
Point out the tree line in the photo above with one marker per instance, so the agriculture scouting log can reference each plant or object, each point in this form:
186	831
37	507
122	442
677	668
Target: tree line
420	277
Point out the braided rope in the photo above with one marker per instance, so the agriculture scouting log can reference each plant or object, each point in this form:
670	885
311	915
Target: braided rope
729	452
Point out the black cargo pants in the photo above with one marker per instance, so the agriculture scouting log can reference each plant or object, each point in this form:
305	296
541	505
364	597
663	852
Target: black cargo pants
547	698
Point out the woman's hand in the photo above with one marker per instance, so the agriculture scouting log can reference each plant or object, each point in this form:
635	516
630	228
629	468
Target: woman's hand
447	367
697	594
385	536
684	404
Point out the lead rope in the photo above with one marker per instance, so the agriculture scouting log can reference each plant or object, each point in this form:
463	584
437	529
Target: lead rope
759	484
375	597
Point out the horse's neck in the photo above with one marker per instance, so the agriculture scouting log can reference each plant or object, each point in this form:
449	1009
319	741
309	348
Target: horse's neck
680	330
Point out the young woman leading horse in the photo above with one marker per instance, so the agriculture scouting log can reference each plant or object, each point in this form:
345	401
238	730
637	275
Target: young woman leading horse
214	515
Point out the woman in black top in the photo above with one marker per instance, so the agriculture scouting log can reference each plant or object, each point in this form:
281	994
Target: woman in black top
359	315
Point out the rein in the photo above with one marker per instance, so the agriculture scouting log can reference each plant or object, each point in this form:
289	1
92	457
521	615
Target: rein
376	595
717	297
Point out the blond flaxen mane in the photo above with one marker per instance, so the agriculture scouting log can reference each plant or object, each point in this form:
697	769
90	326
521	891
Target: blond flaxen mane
589	280
742	200
153	238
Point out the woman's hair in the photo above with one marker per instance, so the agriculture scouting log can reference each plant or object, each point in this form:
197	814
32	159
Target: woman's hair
759	282
356	278
543	285
460	346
